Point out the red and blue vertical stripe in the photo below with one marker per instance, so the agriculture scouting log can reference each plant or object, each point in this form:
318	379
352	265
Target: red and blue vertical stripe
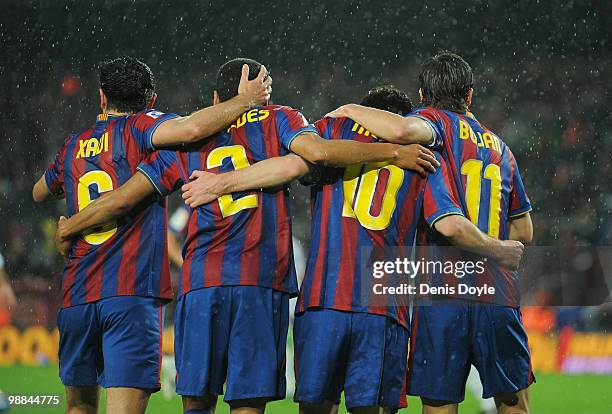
133	261
334	276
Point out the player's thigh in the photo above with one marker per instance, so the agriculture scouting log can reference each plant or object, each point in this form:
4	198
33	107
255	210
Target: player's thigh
440	352
80	347
501	352
132	342
82	400
321	338
202	324
121	400
376	368
257	344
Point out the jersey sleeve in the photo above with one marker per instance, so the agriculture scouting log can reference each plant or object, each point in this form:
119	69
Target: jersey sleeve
162	169
432	118
289	124
519	201
146	123
54	174
440	199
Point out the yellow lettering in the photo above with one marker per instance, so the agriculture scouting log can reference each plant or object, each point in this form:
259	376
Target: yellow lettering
487	138
263	114
82	146
252	115
464	130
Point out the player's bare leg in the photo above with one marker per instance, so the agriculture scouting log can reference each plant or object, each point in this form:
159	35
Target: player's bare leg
513	403
327	407
123	400
82	400
439	407
248	406
370	410
207	404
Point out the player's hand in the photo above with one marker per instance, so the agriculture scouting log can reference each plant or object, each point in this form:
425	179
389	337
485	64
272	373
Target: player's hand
258	90
417	158
203	188
510	254
62	245
341	112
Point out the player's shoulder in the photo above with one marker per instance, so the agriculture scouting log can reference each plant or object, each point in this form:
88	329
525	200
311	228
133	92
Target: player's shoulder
145	114
428	112
336	127
278	108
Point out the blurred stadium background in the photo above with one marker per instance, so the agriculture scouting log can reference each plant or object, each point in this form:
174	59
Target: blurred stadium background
542	82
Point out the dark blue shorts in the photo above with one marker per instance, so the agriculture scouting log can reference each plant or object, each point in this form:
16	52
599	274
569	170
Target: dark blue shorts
114	342
362	354
235	335
448	338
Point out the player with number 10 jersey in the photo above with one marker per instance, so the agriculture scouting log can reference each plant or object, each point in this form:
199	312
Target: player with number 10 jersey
345	338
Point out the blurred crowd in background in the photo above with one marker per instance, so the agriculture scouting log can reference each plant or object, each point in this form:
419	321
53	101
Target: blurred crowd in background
542	82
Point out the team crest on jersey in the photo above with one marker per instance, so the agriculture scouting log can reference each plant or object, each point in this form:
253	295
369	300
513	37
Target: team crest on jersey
155	114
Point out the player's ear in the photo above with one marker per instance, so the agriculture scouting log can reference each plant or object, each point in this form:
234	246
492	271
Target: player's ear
152	101
468	99
103	100
216	99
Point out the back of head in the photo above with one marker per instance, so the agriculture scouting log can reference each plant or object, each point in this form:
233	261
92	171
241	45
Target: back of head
445	81
228	76
128	84
388	98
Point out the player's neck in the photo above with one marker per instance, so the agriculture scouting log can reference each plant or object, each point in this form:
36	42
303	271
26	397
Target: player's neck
114	112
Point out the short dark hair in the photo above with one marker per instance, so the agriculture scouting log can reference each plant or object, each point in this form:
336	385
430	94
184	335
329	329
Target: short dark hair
388	98
445	81
128	83
228	76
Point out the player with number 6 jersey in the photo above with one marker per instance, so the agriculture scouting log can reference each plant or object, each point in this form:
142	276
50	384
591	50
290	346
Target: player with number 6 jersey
116	280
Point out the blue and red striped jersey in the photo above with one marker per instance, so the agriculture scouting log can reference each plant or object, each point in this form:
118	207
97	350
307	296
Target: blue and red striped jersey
479	179
241	238
126	257
355	210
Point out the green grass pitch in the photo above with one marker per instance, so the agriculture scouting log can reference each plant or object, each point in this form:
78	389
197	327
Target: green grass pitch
552	394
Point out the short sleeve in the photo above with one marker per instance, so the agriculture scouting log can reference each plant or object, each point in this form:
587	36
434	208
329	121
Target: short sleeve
162	169
54	174
519	201
146	123
440	199
433	120
289	124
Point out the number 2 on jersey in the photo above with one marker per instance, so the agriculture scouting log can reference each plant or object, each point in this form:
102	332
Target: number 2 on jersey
472	169
238	157
104	182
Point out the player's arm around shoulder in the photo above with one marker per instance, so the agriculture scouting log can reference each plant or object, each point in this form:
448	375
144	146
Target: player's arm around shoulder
391	127
342	153
210	120
205	187
108	207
